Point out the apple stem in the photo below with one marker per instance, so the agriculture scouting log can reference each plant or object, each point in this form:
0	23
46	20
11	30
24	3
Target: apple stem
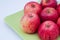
30	16
33	5
47	1
48	11
48	25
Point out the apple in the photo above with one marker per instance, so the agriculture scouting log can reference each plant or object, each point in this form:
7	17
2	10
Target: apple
49	3
30	23
58	9
49	13
32	7
48	30
58	23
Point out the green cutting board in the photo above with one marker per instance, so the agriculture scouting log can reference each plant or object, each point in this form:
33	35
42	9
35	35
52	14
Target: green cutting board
14	22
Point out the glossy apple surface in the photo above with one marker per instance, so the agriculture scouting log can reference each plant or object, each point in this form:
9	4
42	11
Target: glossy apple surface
49	3
30	23
58	9
58	23
49	14
32	7
48	30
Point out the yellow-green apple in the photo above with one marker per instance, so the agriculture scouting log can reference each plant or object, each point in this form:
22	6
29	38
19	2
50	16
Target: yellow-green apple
48	30
30	23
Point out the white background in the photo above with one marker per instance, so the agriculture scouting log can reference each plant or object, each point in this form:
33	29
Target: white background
8	7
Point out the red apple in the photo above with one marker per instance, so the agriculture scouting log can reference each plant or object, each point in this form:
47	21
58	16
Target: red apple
30	23
58	23
48	30
58	9
49	3
49	14
32	7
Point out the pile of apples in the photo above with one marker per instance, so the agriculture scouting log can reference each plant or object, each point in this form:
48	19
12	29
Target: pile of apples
43	18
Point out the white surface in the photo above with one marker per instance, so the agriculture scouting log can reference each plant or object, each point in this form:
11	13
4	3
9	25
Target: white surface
8	7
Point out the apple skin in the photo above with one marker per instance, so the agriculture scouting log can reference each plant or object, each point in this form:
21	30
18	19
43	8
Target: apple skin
48	30
49	14
58	23
30	23
32	7
58	9
49	3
